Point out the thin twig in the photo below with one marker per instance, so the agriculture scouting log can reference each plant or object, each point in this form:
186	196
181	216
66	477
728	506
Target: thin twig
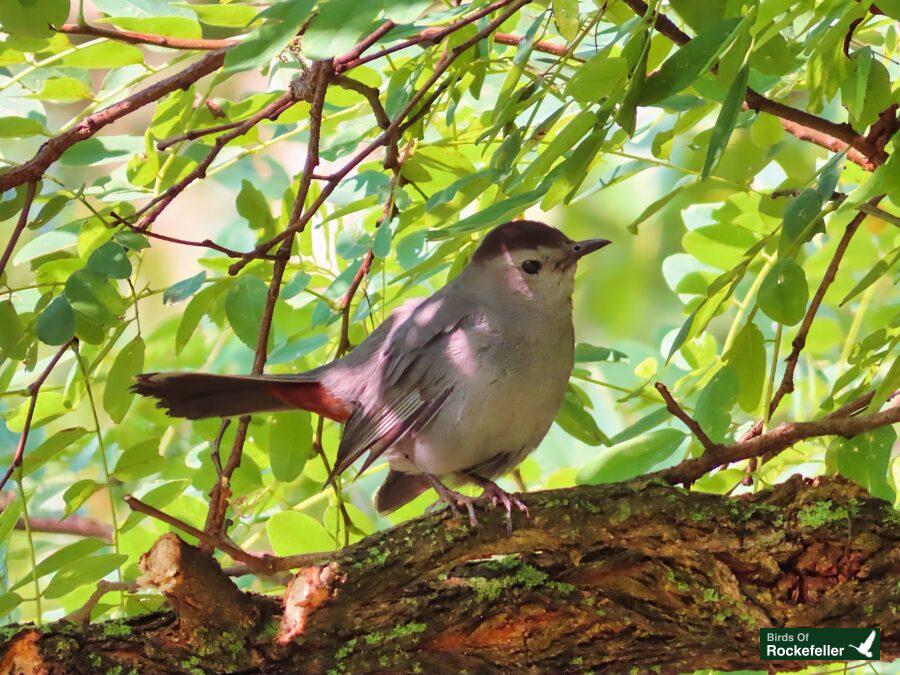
20	225
295	225
82	615
805	126
206	243
318	76
672	405
197	133
34	389
135	38
799	342
777	440
74	525
53	149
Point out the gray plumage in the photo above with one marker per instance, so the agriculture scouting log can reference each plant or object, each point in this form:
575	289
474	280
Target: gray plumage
457	387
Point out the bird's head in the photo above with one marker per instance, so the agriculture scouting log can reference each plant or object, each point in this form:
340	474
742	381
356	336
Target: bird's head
535	261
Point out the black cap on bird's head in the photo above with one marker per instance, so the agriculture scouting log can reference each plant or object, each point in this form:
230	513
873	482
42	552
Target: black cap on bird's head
519	235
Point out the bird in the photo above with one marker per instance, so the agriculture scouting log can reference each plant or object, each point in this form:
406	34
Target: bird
456	388
865	647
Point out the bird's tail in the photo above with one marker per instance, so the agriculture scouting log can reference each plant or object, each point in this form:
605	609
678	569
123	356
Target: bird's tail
200	395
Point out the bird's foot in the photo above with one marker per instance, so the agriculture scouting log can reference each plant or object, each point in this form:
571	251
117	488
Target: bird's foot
455	500
495	494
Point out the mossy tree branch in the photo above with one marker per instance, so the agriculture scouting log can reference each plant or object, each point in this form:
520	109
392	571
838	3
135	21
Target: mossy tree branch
604	578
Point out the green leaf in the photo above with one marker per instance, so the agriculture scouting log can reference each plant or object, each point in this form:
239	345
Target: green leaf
631	458
295	286
11	332
59	558
30	19
290	444
8	602
713	411
784	292
338	26
56	324
198	306
601	76
565	16
653	208
576	421
139	461
183	289
103	55
587	353
8	518
748	358
799	213
283	20
92	296
726	120
78	493
244	307
20	127
253	207
888	385
232	15
117	397
62	90
291	532
874	273
687	64
86	571
405	11
55	444
110	261
169	26
865	459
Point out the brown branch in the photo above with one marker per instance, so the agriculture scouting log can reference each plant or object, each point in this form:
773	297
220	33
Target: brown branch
672	405
74	525
150	212
196	133
206	243
82	615
386	135
805	126
316	84
341	62
538	45
799	342
53	149
33	389
780	438
135	38
596	580
20	225
427	36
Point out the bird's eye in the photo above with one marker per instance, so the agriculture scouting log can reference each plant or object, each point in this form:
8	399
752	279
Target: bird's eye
531	266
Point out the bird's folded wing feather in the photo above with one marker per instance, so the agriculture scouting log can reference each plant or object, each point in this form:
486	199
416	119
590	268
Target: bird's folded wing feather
412	379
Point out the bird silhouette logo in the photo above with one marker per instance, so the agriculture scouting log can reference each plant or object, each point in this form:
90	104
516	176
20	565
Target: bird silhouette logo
865	648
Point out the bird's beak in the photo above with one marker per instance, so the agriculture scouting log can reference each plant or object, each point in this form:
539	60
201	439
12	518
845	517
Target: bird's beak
582	248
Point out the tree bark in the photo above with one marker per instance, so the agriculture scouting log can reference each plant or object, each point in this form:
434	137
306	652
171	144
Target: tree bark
604	579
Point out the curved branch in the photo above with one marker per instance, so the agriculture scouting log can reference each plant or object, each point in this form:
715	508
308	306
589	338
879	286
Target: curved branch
778	439
135	38
20	226
597	580
52	150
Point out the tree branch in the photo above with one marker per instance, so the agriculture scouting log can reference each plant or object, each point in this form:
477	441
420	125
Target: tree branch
672	405
135	38
596	580
805	126
20	226
778	439
34	389
316	86
440	67
52	150
75	525
799	342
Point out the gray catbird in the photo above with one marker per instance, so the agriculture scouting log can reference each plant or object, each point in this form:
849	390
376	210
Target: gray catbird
459	387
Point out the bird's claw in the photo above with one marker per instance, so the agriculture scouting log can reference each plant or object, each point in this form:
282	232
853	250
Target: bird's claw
494	494
455	500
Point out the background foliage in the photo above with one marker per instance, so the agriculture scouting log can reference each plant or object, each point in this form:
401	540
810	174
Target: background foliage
725	222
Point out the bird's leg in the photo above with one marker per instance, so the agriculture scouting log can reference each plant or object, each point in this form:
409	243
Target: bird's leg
453	499
494	494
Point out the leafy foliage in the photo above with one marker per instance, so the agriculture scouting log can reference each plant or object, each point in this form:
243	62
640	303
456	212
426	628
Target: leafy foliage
725	221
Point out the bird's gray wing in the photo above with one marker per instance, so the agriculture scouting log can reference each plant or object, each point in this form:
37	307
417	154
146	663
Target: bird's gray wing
411	377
